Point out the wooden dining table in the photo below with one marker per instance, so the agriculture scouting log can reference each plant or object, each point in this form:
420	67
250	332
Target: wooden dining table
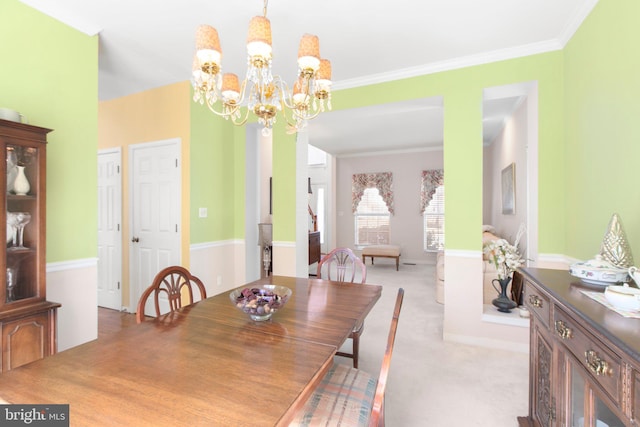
207	364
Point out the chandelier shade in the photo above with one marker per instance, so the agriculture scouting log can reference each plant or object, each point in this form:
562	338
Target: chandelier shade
208	49
324	72
261	93
309	53
230	88
259	38
259	30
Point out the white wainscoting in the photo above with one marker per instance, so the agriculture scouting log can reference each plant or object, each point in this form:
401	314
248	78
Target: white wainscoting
466	319
463	309
74	284
220	265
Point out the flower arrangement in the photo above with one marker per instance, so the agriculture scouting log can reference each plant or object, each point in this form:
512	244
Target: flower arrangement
504	256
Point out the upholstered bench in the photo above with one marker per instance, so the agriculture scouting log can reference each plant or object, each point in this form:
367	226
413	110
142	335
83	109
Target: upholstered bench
382	251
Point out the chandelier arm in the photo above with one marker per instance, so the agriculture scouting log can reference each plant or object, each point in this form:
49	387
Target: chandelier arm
243	90
235	121
307	117
218	113
284	116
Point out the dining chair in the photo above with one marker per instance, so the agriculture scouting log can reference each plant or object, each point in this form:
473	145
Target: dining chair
348	396
341	265
170	281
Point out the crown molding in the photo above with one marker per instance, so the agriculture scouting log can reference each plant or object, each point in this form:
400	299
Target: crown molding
480	59
388	152
573	25
453	64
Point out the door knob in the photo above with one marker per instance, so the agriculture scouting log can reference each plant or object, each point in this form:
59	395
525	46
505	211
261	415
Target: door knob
135	239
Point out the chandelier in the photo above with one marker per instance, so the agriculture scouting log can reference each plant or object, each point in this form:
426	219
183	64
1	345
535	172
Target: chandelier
261	92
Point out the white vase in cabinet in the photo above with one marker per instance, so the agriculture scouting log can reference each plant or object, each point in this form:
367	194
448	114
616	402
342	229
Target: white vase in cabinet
21	184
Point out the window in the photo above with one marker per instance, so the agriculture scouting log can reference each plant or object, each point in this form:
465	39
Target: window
434	222
372	219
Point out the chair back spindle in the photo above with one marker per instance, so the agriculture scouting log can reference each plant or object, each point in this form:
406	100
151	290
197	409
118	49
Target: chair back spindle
341	265
170	281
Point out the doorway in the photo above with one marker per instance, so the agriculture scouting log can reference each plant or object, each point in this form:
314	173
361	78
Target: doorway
155	212
110	229
510	156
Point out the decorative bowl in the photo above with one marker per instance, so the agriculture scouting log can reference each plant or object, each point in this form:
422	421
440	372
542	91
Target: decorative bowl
9	114
598	271
623	297
260	302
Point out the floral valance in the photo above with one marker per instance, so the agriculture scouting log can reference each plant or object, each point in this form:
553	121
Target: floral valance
431	179
383	181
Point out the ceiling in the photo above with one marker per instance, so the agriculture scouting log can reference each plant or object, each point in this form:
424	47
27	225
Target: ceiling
367	41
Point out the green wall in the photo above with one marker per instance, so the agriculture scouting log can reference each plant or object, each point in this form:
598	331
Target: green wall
588	145
214	161
49	73
462	94
284	184
602	108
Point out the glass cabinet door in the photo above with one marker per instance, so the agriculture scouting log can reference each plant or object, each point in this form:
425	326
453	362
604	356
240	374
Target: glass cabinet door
576	410
22	222
582	413
604	417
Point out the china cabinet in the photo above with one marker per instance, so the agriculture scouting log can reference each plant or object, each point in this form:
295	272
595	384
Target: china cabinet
584	357
27	319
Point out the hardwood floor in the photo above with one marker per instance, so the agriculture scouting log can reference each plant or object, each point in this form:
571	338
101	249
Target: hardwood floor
112	321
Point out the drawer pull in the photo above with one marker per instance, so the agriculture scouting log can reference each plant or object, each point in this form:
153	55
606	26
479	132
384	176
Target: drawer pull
563	330
535	301
597	365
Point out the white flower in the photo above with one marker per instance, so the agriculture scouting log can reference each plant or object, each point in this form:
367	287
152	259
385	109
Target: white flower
504	256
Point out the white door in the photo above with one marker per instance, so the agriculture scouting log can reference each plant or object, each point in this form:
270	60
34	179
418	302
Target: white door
155	204
109	229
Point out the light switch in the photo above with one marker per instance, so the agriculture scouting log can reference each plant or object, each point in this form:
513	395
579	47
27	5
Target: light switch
202	212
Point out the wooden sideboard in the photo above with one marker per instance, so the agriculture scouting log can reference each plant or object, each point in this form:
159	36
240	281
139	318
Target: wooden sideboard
314	247
584	358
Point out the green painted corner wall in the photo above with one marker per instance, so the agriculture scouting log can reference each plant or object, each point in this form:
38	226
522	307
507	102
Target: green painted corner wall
49	73
214	162
284	184
602	91
461	91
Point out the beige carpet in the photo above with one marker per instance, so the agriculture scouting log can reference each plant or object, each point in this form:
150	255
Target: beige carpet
431	382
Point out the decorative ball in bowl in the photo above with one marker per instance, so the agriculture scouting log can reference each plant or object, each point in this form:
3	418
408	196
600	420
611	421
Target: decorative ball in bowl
260	302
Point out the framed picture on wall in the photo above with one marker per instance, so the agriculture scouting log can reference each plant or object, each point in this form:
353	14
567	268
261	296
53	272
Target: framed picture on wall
509	190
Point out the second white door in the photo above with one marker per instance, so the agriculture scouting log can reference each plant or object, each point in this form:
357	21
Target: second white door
155	203
109	229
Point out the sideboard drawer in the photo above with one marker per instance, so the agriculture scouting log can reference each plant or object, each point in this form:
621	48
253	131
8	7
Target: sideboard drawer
602	364
537	302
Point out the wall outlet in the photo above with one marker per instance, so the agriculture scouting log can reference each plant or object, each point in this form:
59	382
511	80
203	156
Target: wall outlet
219	280
202	212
